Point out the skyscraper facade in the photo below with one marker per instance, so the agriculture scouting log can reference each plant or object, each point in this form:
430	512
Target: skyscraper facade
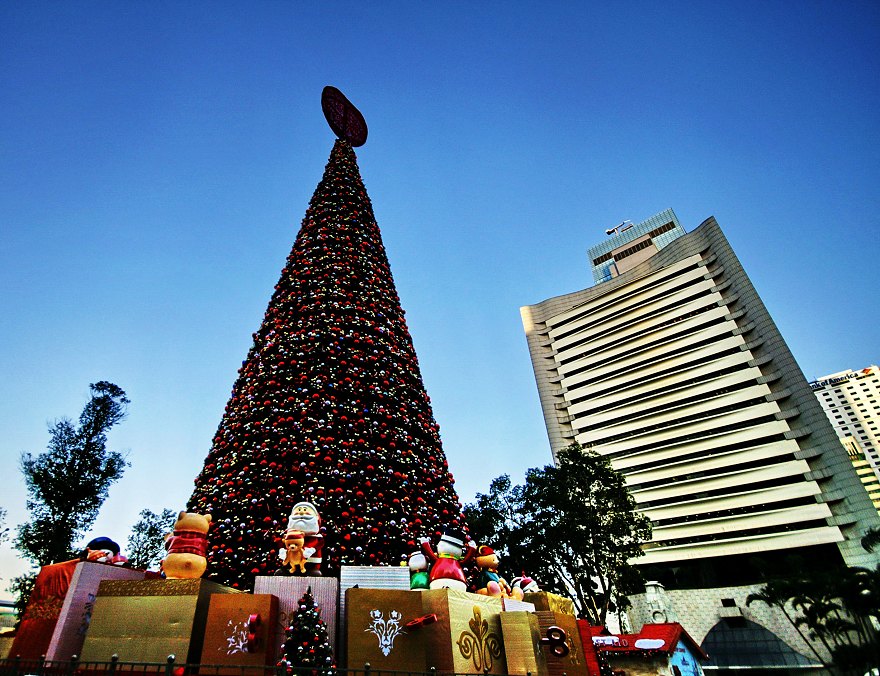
672	366
850	400
864	470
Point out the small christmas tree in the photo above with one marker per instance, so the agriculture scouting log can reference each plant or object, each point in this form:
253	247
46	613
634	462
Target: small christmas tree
307	643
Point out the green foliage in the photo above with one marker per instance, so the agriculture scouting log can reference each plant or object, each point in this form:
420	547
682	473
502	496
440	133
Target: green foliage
146	543
308	643
21	587
572	526
67	484
838	610
4	529
871	539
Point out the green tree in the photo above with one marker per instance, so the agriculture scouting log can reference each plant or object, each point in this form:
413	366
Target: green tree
498	519
839	609
21	587
307	642
572	526
68	483
4	529
777	593
146	544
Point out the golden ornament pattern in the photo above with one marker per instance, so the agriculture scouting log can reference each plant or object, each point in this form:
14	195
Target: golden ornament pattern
479	645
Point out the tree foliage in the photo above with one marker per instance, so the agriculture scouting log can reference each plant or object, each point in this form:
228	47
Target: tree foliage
572	526
4	529
871	539
21	587
146	544
67	484
837	610
307	642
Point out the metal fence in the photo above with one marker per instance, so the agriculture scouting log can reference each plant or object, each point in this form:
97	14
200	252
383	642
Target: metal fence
15	666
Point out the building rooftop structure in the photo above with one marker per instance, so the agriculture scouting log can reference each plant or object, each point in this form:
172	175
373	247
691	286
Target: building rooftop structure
630	244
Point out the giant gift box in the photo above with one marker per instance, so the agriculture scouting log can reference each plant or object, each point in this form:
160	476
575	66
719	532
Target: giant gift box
43	609
573	664
76	613
466	638
550	601
452	631
289	590
368	577
145	621
241	630
522	644
377	632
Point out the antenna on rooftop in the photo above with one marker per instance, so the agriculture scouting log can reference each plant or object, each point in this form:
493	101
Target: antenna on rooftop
621	227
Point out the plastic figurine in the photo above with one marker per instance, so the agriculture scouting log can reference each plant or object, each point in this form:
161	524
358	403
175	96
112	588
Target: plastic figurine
187	547
304	517
418	571
524	584
490	583
103	550
294	554
446	564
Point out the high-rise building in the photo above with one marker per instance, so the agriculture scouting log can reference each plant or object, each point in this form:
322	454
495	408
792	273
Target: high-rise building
849	399
672	366
865	471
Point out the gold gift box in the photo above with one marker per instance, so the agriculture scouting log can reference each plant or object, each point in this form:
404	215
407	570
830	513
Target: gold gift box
458	633
573	664
228	626
548	601
148	620
377	632
467	637
522	644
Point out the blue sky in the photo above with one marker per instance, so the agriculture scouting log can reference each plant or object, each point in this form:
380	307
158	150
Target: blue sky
156	160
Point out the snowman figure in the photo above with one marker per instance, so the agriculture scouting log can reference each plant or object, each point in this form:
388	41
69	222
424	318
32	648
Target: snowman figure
446	564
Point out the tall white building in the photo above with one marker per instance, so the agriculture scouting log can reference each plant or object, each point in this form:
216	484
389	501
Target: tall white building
672	367
850	400
866	473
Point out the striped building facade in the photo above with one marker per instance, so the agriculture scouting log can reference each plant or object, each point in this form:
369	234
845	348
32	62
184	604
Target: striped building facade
674	369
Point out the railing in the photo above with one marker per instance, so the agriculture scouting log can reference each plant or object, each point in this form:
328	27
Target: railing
16	666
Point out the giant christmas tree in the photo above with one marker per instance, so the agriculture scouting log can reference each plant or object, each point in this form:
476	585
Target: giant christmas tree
329	406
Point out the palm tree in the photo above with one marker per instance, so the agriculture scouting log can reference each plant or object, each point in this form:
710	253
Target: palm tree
871	539
776	594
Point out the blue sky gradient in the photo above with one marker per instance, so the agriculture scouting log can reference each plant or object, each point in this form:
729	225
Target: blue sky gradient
157	158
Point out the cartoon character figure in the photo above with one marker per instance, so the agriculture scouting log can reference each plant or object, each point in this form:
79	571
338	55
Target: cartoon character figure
446	568
187	546
103	550
490	583
418	571
294	555
304	517
523	584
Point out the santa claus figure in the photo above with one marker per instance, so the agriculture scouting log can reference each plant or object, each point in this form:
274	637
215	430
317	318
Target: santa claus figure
304	517
446	568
